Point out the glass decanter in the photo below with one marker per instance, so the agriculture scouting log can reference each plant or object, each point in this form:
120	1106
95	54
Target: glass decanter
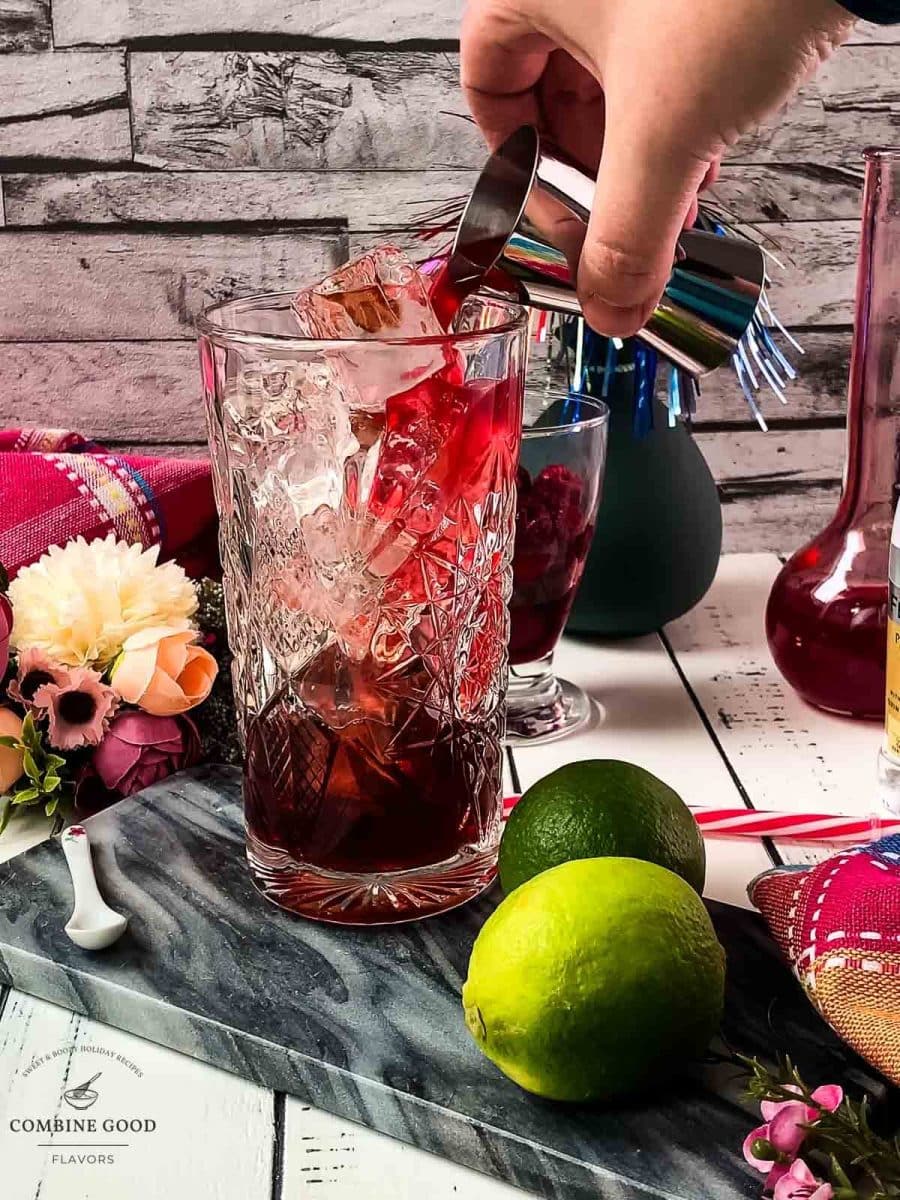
827	614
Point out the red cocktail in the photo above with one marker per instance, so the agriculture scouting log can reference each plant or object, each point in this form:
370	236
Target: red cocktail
560	477
365	468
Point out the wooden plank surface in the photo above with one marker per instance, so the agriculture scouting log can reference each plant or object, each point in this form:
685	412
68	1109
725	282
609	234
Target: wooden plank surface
331	112
761	195
789	456
214	1131
787	755
644	715
70	105
777	517
853	101
24	25
326	110
154	402
36	85
371	200
111	21
865	32
385	109
144	392
136	285
790	191
327	1157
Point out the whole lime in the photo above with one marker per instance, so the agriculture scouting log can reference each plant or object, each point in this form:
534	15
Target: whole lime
598	808
596	979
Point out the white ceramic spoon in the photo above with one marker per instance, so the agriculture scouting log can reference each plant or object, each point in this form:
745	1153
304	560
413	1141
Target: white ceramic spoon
93	925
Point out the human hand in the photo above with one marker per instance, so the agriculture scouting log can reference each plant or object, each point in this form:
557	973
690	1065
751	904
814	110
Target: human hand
663	88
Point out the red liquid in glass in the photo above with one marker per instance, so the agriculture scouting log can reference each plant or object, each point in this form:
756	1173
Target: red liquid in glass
830	642
388	792
389	760
553	537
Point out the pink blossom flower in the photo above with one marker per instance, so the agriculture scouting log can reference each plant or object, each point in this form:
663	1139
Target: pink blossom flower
79	709
34	669
800	1184
784	1131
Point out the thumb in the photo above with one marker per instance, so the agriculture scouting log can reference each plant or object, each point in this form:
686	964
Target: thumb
647	184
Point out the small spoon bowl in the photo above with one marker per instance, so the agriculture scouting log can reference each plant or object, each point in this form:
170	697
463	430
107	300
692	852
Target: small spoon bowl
93	925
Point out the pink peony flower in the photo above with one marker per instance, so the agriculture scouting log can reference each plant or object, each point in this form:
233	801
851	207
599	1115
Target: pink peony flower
79	708
799	1183
6	624
140	749
785	1130
34	669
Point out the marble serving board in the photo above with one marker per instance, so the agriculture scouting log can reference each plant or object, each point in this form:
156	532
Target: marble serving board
367	1023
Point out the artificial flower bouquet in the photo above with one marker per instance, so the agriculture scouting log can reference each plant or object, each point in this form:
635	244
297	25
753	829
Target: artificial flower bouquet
104	653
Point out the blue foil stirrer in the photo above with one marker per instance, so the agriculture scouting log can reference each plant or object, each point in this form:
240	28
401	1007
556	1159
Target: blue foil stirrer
645	366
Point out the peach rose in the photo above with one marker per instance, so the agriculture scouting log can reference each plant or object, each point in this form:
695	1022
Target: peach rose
11	764
163	672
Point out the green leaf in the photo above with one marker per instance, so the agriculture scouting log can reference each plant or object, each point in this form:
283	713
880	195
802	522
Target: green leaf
31	767
11	742
51	806
6	810
839	1175
25	796
54	761
51	783
31	735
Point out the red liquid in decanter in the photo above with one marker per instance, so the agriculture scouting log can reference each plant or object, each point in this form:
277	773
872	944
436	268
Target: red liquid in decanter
827	634
827	615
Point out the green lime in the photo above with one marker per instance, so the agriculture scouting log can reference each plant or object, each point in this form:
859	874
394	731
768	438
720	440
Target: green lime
596	809
596	979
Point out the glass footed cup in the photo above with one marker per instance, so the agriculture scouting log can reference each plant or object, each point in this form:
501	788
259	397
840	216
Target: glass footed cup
366	538
559	482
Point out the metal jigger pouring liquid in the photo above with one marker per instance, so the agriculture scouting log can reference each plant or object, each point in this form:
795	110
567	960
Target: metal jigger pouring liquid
505	245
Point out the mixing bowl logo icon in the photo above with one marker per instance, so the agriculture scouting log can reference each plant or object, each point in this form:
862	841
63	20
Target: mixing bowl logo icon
84	1095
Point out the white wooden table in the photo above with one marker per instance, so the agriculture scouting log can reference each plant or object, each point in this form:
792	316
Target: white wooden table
702	706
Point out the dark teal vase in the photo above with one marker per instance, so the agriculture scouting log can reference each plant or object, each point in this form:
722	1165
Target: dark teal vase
659	529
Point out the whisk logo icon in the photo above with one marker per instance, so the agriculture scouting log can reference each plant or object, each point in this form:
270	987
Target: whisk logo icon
84	1095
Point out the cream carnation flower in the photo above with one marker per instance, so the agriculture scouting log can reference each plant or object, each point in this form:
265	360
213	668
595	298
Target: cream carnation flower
79	602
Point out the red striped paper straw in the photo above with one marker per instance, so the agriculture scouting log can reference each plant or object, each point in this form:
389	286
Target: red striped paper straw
786	827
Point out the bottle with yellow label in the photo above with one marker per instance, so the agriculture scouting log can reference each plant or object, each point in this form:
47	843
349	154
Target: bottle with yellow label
889	756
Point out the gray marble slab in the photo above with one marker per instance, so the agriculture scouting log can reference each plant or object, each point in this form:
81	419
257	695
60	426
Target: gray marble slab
367	1024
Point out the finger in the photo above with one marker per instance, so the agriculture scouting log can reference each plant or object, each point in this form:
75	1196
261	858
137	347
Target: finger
573	109
501	61
646	185
711	178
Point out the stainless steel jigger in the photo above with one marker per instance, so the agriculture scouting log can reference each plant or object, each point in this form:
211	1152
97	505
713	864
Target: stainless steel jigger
527	187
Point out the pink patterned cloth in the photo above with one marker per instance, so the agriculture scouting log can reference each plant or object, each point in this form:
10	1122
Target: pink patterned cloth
838	924
55	485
